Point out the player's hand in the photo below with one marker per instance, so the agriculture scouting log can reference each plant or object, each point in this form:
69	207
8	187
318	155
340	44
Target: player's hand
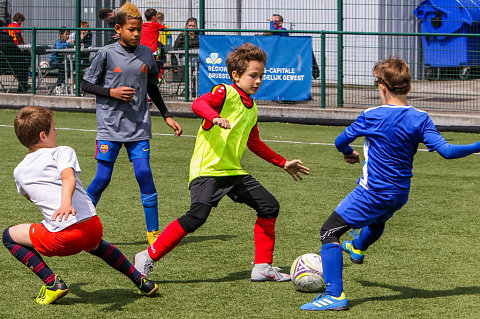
123	93
223	123
175	126
116	36
294	167
352	158
64	212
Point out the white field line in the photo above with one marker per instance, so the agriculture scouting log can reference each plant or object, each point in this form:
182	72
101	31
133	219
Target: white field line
194	136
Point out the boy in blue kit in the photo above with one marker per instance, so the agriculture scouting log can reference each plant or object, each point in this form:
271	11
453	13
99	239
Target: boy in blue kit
392	133
120	76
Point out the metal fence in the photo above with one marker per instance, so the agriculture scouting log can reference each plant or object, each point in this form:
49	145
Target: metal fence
356	35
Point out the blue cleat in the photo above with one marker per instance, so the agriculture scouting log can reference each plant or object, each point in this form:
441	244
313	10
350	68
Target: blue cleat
327	302
356	255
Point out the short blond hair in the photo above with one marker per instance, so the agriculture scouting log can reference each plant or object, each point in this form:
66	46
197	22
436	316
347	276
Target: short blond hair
126	12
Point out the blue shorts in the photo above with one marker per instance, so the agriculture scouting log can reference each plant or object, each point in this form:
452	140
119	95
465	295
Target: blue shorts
361	207
108	151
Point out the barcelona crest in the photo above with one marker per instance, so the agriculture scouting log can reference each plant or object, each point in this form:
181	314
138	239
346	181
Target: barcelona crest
103	148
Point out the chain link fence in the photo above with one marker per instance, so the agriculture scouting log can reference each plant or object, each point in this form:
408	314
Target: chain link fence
445	68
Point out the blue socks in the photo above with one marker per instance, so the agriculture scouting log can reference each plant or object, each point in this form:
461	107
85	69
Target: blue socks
368	236
144	178
148	193
101	180
150	208
332	263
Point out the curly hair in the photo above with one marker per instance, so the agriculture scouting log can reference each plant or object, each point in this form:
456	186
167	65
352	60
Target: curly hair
238	58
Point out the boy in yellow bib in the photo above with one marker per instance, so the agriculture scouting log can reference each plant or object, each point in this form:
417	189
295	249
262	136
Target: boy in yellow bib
229	126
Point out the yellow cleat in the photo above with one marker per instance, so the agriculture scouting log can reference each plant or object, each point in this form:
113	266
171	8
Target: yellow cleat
147	287
152	236
49	294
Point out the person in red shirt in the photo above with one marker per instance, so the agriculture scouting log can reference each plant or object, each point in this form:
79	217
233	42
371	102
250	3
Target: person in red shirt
18	19
229	126
150	30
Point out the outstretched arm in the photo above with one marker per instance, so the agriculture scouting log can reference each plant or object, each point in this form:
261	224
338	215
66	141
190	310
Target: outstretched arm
68	187
450	151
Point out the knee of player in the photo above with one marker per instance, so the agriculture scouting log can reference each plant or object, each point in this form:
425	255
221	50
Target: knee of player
144	175
191	223
328	235
271	210
195	217
103	179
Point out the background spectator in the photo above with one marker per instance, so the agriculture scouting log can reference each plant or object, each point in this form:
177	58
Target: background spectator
193	43
150	30
192	36
276	23
57	61
165	36
18	19
110	18
19	60
193	40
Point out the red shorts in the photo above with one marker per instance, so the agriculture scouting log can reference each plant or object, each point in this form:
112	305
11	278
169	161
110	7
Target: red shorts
69	241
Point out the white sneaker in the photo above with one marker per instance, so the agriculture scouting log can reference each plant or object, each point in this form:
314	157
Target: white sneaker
266	272
60	89
143	263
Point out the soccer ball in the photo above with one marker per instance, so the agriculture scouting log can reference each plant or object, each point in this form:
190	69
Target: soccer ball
44	65
307	273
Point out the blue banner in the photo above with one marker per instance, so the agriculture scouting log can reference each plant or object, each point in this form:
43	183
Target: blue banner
288	73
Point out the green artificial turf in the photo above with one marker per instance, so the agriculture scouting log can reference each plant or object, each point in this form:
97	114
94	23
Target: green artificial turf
424	266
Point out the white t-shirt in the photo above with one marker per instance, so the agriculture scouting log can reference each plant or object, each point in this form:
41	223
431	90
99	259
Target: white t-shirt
38	176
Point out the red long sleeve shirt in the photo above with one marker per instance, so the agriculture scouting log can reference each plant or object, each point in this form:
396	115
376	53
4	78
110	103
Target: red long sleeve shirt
208	107
150	34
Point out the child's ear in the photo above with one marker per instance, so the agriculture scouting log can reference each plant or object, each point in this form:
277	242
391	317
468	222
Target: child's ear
235	76
382	87
118	28
42	135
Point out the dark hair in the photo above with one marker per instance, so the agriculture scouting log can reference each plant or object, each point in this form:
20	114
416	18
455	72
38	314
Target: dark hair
18	17
30	122
238	58
192	19
150	13
63	29
103	13
280	18
394	73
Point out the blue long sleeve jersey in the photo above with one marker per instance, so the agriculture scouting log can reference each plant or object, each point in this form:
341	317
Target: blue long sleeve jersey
392	134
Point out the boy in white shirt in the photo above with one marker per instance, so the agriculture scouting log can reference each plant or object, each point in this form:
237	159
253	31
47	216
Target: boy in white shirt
48	177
